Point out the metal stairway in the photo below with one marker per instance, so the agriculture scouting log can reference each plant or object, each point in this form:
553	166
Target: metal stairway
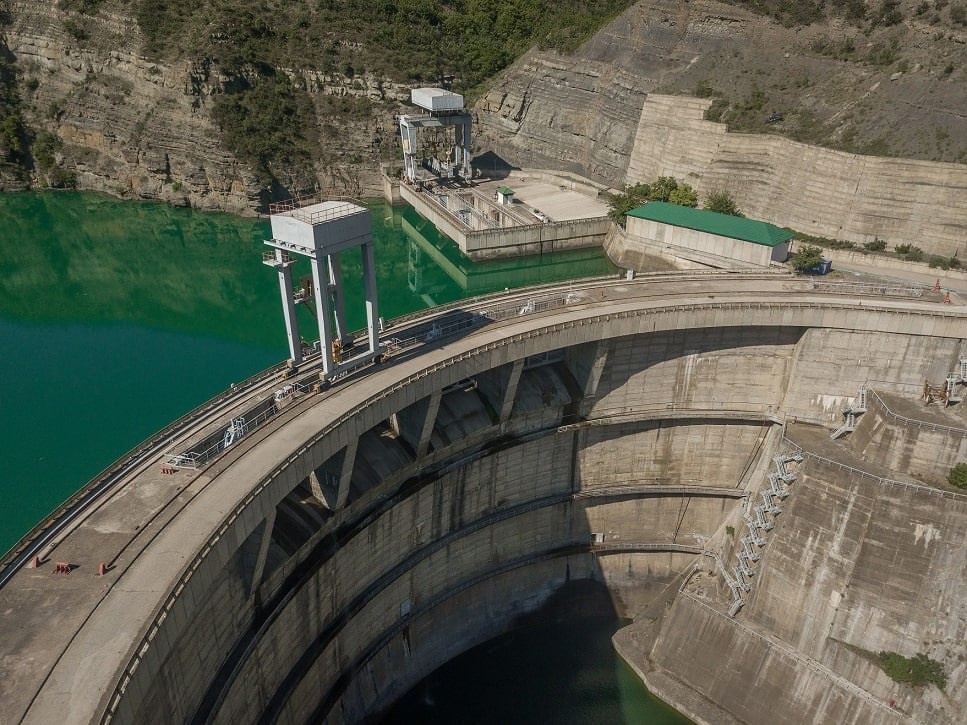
759	518
857	407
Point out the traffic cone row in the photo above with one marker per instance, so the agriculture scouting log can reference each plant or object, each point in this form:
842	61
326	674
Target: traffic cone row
63	567
937	288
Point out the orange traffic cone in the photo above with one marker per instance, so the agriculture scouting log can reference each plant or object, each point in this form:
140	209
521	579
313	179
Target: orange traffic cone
936	287
946	298
101	569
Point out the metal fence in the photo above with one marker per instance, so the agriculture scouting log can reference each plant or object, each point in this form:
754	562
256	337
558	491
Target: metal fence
889	289
873	477
921	424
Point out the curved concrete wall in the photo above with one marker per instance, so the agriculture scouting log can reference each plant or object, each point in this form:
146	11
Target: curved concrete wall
458	490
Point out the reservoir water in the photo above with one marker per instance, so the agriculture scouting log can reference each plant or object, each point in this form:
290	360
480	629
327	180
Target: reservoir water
118	317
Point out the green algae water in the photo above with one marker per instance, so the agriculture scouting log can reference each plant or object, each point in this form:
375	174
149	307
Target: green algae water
118	317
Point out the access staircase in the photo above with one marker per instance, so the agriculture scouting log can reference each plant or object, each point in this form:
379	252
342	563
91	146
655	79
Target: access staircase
758	519
857	407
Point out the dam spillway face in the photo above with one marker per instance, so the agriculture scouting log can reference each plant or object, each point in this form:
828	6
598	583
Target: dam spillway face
364	536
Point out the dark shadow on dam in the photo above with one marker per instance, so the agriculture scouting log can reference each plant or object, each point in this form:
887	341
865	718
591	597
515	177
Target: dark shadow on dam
498	505
562	651
493	165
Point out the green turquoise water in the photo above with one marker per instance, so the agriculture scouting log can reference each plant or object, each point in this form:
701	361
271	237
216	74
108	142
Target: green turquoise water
566	672
118	317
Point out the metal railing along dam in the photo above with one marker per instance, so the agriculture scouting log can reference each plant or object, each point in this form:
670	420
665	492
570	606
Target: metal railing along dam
344	495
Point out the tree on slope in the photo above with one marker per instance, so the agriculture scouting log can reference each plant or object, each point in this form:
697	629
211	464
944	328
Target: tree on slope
722	202
684	195
806	258
630	198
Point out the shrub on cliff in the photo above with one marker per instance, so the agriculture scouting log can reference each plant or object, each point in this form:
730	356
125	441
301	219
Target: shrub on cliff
805	258
916	671
722	202
958	475
269	124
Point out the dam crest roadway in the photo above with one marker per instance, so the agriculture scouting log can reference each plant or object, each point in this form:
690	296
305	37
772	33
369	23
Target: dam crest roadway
347	541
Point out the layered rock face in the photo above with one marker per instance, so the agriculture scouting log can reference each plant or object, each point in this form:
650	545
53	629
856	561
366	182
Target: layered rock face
590	112
129	126
138	127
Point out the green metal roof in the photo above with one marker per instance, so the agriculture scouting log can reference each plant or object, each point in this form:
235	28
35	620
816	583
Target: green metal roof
703	220
505	190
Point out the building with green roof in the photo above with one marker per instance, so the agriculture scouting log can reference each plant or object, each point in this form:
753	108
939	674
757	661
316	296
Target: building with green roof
747	241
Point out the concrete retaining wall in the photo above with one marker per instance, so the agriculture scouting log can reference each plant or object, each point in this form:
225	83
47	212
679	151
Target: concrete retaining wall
911	447
814	190
831	365
510	241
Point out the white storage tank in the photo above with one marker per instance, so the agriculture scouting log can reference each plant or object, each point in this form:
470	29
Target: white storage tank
436	100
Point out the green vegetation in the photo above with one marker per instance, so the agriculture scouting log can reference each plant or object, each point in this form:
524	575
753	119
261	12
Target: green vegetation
805	12
268	124
630	198
958	476
887	13
883	53
404	40
937	262
788	12
722	202
909	252
87	7
840	49
684	195
14	141
806	258
664	188
266	116
877	245
730	530
717	110
916	671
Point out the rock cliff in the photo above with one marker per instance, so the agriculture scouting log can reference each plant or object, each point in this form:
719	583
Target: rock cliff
121	121
896	90
137	127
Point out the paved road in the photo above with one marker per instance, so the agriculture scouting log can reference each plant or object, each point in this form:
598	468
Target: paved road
872	272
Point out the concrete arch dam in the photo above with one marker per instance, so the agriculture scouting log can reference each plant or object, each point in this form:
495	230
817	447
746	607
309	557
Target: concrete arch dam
365	535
